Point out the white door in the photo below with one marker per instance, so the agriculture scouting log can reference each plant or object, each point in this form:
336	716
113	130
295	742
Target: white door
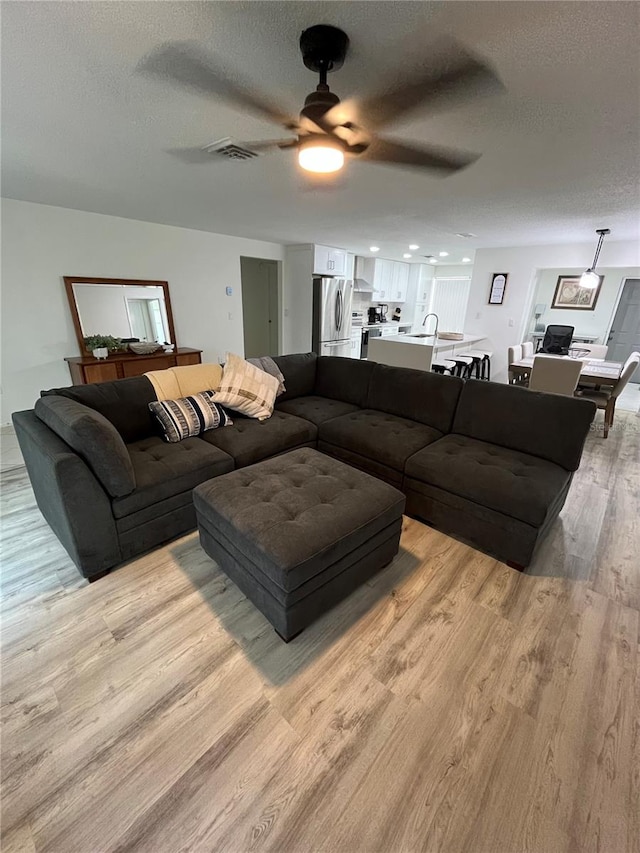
624	337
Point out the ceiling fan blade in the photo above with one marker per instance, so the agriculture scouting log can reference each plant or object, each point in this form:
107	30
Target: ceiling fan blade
398	153
452	75
186	63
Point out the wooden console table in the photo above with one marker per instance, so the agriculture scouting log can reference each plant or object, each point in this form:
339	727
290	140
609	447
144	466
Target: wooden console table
86	369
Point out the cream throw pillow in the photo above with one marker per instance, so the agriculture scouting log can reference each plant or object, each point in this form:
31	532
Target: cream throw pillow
247	389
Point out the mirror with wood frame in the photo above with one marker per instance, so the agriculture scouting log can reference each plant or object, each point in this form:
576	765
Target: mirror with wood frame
129	309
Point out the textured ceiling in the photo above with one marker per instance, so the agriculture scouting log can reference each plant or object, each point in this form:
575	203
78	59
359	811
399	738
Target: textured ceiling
561	150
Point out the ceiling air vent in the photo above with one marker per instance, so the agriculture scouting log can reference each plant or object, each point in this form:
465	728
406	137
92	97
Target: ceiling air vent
230	149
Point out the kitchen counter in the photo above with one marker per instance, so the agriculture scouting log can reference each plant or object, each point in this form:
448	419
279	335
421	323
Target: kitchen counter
440	344
383	326
410	351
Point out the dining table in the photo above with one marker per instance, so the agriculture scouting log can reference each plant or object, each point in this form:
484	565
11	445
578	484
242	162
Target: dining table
594	370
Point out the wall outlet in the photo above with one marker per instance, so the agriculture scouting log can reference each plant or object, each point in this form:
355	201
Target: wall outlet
230	315
229	291
511	322
478	315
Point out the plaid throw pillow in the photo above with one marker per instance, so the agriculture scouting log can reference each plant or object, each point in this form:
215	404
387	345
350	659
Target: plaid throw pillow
247	389
189	416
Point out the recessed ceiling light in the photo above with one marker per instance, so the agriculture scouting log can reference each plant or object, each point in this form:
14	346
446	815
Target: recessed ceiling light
414	246
406	255
433	260
466	260
374	248
444	254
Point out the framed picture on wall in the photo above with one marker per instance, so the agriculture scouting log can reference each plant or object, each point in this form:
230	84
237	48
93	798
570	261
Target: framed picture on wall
571	295
498	287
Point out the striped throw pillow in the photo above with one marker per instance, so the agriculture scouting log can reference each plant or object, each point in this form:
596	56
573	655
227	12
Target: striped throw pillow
189	416
247	389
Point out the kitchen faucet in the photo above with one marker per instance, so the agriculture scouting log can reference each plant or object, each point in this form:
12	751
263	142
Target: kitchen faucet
424	322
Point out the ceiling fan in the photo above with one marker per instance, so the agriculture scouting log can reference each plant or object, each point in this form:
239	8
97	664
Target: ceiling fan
328	129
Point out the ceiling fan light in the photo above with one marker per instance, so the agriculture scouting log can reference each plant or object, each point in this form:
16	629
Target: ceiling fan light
321	157
589	279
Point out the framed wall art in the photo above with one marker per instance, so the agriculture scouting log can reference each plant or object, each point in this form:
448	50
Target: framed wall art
498	287
571	295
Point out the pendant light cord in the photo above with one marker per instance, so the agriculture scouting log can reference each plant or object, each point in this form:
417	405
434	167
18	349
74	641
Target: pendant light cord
603	233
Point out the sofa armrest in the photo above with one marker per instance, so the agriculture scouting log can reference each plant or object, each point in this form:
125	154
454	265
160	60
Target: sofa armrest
69	496
94	438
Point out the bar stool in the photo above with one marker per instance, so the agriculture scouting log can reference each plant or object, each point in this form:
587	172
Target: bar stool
444	366
464	365
478	363
484	362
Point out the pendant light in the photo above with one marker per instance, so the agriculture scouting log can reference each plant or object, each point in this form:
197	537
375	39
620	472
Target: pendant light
589	278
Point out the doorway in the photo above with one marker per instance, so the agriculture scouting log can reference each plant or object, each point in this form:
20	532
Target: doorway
260	306
624	337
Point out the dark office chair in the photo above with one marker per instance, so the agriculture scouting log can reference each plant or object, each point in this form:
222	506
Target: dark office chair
557	340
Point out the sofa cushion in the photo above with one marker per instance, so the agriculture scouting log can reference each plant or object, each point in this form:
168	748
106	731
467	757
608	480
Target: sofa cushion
428	398
386	438
345	379
93	438
249	441
516	484
316	409
550	426
124	402
299	371
163	470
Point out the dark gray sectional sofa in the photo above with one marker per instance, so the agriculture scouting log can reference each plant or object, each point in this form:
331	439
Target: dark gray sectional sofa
490	464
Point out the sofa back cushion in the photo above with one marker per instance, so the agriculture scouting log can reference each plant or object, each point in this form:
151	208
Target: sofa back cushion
345	379
93	438
123	402
428	398
551	426
299	371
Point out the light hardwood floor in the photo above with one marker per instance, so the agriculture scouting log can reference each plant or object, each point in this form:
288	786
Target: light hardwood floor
451	704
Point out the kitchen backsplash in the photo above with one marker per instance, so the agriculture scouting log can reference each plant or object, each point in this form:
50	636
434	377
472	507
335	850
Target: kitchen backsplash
362	302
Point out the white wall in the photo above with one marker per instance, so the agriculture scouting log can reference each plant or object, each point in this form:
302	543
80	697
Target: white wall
508	323
40	244
594	322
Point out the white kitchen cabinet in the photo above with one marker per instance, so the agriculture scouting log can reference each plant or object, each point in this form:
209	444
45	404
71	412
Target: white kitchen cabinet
400	282
356	342
329	261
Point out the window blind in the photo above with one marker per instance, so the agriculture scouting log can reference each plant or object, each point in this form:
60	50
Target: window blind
449	298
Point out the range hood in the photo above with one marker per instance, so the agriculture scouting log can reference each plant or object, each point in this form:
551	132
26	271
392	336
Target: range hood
360	283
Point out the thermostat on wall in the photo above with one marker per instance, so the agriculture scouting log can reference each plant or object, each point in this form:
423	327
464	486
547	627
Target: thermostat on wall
229	291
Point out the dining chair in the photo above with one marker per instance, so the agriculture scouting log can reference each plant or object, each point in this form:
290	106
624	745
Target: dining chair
527	349
557	340
598	351
514	353
555	375
605	398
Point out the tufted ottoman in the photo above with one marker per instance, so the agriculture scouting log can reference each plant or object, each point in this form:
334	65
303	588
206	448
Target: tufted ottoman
298	533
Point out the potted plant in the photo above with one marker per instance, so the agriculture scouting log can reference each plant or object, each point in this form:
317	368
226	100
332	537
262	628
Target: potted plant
101	345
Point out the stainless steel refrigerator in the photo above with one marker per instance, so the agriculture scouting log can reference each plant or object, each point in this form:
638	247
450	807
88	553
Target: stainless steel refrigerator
332	298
